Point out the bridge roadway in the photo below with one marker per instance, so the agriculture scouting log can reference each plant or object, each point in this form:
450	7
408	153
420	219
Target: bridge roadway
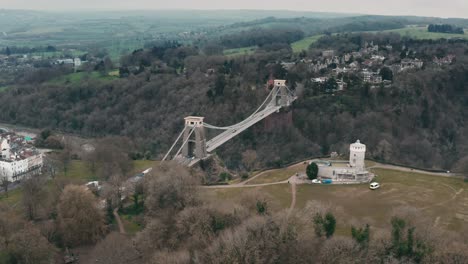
232	132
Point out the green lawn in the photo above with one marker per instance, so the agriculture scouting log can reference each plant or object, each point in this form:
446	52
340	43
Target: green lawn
81	76
240	51
297	46
78	171
13	198
141	165
3	88
422	33
304	44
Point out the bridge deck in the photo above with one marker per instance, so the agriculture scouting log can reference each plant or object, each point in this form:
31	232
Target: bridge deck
232	132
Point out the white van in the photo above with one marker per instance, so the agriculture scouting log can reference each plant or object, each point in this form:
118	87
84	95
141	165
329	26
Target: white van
374	185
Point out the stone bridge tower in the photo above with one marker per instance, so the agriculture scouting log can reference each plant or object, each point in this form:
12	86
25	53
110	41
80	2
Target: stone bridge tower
195	146
283	97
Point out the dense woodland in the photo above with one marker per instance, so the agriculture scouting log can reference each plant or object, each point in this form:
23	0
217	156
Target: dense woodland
445	28
420	120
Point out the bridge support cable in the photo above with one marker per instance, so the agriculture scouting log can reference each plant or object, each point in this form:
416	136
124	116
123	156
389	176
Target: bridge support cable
173	145
273	93
185	142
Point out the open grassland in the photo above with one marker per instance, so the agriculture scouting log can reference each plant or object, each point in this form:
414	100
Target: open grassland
422	33
279	174
297	46
442	201
240	51
78	77
304	44
279	196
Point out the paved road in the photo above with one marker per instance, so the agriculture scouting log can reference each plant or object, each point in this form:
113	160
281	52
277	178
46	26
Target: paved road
232	132
405	169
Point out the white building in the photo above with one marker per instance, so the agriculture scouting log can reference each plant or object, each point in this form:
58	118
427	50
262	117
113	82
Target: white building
77	62
357	155
19	162
344	172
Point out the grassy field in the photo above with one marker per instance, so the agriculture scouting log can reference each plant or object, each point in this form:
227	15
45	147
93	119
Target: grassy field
81	76
304	44
280	195
240	51
422	33
279	174
443	201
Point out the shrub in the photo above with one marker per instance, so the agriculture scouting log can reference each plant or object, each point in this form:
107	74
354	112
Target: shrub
312	171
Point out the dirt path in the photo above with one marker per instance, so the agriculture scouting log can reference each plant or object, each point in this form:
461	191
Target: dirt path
293	199
119	221
242	185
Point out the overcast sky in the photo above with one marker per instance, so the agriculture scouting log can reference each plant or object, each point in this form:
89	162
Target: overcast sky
438	8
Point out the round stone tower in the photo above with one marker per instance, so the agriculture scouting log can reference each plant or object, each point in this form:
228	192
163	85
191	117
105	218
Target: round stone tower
357	155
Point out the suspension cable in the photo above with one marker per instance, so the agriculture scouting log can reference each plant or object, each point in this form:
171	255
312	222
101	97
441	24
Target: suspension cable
173	145
185	142
275	91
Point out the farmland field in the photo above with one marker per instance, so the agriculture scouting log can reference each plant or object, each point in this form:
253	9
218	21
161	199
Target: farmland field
422	33
304	44
82	76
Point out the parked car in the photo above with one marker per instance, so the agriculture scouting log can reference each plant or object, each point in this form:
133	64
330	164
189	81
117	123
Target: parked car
315	181
327	181
374	185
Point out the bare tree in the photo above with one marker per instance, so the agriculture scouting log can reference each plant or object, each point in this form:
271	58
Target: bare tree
112	157
5	183
249	159
10	222
33	195
169	257
30	247
114	249
80	221
257	240
113	165
170	188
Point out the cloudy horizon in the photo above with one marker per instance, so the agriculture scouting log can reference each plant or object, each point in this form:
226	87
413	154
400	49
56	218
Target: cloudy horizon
434	8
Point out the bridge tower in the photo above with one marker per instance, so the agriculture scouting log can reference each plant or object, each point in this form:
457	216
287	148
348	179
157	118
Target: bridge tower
194	146
283	97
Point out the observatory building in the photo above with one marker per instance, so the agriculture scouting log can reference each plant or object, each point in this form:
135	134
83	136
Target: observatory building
352	171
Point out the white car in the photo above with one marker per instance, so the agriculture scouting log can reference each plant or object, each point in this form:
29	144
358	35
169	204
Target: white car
374	185
315	181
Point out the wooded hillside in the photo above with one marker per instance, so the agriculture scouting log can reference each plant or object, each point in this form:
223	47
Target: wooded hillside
421	120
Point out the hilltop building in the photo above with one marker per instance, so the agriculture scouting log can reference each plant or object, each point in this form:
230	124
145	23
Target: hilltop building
18	159
352	171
